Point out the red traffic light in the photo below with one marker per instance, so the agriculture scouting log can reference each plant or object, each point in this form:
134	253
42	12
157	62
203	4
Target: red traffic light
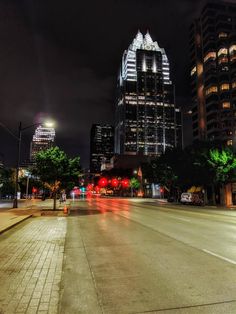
114	183
34	190
89	187
103	182
125	183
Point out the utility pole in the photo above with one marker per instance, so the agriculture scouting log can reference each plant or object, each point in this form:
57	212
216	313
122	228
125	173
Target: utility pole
15	202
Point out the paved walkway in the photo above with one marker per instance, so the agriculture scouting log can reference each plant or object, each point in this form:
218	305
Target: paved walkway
9	219
31	266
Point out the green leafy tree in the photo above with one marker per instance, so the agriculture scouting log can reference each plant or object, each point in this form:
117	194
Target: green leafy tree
134	185
222	163
7	181
56	170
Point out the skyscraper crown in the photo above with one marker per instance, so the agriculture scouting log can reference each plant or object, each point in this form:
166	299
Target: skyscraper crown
144	42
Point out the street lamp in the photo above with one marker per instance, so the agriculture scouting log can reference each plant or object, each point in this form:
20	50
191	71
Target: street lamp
20	130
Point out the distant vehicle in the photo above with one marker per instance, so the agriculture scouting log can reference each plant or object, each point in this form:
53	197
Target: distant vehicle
191	199
109	192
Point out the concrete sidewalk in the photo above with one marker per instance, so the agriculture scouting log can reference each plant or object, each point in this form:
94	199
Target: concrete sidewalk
12	217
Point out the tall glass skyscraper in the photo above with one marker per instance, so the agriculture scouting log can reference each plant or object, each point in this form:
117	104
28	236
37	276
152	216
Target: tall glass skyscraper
213	72
43	138
101	146
147	120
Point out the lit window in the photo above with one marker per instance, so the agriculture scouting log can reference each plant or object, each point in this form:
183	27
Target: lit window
210	55
224	86
222	51
223	35
234	85
233	57
212	89
230	142
232	49
223	59
194	70
226	105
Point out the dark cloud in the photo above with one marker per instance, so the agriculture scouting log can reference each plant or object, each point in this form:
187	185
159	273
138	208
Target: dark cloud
62	58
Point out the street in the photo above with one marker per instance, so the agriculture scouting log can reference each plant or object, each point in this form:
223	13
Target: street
121	256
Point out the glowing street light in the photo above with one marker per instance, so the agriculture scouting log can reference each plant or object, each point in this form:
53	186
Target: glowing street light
20	130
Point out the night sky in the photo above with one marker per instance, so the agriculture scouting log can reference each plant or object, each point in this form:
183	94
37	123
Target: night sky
61	58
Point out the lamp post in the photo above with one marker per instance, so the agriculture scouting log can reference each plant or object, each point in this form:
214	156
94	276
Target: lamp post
15	201
20	130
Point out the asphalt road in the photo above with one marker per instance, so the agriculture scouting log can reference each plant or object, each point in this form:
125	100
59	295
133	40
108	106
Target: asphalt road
124	256
145	258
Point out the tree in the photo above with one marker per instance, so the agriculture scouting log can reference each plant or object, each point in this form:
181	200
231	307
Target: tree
134	184
222	164
56	170
7	181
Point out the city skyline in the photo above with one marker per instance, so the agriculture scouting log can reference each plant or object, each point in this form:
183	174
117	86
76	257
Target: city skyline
69	78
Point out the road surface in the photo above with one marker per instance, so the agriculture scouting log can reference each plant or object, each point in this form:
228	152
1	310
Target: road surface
121	256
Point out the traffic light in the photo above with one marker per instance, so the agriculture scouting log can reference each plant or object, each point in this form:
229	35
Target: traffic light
125	183
103	182
114	183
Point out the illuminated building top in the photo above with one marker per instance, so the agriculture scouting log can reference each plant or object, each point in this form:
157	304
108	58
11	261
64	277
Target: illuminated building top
43	133
143	42
43	138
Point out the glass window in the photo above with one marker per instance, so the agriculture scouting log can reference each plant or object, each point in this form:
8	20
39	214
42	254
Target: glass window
194	70
226	105
224	86
223	35
232	49
222	51
210	55
212	89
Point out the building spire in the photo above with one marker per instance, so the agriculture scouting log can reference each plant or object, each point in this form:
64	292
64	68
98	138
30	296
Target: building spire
139	36
148	38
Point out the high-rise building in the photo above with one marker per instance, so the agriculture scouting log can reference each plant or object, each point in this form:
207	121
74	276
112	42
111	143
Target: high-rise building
147	120
101	146
213	73
43	138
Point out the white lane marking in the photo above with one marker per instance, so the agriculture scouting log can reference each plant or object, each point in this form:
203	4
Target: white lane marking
184	219
219	256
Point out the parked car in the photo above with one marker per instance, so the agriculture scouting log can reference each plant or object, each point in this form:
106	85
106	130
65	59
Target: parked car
191	198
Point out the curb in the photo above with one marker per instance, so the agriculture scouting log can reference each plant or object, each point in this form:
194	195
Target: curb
15	224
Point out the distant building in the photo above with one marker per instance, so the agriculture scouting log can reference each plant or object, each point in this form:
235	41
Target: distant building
101	146
147	120
213	73
43	138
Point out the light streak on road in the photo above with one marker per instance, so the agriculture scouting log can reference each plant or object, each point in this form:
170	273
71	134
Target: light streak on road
219	256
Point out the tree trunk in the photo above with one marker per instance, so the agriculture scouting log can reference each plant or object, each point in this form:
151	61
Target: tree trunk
213	194
55	201
205	196
222	195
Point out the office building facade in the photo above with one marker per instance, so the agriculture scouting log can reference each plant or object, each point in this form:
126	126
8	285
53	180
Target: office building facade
147	120
101	146
213	73
43	138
